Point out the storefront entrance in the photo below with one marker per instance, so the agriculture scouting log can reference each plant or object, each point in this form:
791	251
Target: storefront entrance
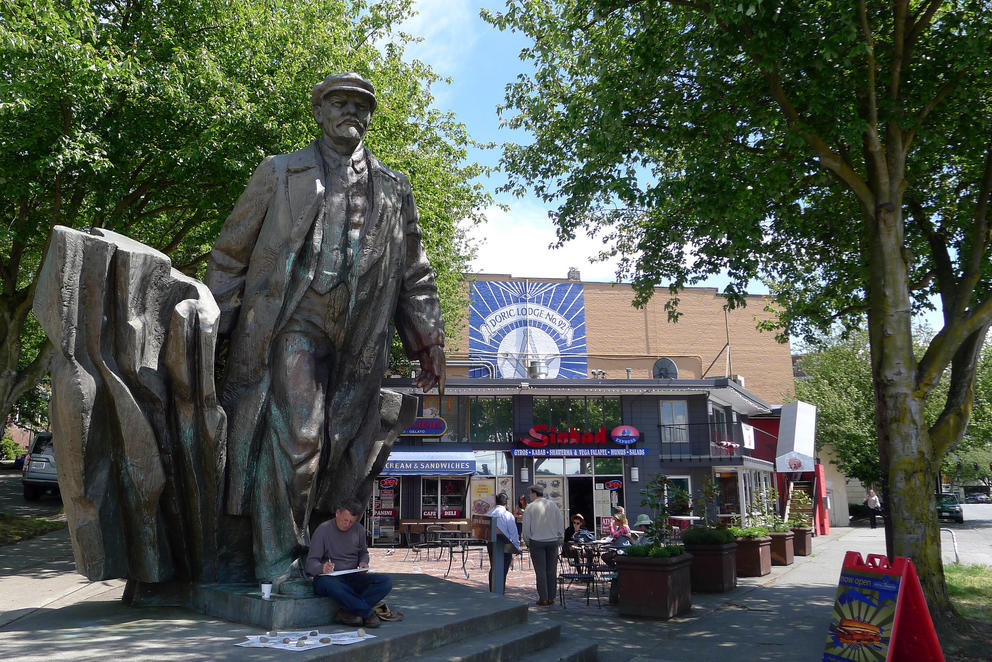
592	486
739	491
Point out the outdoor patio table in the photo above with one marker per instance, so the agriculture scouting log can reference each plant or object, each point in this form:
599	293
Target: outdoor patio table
462	546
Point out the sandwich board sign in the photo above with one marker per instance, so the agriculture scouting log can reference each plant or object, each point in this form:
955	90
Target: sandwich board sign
880	614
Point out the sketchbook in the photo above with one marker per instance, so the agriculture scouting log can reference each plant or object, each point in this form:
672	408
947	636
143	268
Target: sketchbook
343	572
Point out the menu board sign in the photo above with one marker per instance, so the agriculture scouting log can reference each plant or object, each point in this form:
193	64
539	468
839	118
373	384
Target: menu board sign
880	614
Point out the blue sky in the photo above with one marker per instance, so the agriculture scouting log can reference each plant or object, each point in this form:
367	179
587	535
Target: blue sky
481	61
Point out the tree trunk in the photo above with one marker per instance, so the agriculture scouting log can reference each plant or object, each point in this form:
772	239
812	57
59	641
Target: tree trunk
908	461
14	382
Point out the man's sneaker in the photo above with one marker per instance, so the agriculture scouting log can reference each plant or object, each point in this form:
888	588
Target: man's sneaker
347	618
372	621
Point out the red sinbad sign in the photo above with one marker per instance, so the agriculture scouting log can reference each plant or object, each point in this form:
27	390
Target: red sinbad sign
540	436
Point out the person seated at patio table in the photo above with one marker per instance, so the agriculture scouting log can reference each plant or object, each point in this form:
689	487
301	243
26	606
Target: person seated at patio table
641	526
619	530
578	524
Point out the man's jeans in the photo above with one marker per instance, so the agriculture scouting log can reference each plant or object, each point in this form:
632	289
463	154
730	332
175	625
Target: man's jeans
544	555
358	592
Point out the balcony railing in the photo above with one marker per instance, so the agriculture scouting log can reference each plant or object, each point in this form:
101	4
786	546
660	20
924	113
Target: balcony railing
701	442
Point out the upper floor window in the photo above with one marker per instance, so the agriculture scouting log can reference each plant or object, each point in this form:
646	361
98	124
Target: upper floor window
674	421
665	368
476	419
582	413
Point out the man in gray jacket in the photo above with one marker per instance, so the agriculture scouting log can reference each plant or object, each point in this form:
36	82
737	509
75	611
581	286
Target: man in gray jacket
543	530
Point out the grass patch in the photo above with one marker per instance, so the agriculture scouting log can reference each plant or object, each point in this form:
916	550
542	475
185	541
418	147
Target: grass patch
14	528
970	589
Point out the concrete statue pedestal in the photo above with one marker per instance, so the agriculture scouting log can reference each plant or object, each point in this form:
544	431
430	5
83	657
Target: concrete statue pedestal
293	608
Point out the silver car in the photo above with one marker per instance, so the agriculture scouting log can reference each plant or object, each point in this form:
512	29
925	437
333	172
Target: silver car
38	474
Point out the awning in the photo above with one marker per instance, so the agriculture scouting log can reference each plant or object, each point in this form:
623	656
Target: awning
429	463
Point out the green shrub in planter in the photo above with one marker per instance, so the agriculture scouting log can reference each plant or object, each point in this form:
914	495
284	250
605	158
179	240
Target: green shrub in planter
706	535
749	532
654	551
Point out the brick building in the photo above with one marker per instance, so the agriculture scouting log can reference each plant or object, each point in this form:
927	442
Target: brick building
565	383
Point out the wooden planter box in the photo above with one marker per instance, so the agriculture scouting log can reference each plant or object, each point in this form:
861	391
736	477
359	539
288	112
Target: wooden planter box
714	567
802	544
782	553
655	588
754	557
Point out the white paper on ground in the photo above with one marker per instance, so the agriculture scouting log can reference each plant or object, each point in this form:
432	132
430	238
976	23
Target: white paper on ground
311	641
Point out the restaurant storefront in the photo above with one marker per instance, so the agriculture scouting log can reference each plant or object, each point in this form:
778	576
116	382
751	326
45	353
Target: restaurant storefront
417	489
575	444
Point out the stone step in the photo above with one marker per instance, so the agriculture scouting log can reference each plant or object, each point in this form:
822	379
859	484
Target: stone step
569	648
513	643
438	614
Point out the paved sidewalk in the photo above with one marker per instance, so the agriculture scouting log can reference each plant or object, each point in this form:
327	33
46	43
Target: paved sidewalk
782	616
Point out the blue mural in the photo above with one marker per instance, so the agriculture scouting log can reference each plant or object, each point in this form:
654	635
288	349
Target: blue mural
515	326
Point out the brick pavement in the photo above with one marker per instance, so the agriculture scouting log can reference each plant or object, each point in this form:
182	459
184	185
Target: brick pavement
520	582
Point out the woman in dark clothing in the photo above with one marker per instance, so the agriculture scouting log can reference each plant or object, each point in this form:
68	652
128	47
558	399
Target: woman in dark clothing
518	513
578	524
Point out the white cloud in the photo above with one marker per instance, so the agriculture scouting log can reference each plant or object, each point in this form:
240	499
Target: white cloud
518	243
449	29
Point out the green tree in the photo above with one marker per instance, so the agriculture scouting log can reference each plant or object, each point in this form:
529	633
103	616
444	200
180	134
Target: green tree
839	149
148	118
970	465
836	377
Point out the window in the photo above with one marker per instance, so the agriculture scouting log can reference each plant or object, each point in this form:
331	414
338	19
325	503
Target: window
491	463
442	498
582	413
454	410
491	420
578	466
480	419
549	466
718	423
608	465
665	368
674	421
678	495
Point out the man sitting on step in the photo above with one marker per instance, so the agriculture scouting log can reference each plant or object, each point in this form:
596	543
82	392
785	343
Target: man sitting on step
338	545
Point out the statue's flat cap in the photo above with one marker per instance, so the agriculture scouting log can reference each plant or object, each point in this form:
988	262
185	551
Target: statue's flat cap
348	82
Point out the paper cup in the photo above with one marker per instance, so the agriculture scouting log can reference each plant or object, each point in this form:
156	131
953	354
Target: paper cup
266	590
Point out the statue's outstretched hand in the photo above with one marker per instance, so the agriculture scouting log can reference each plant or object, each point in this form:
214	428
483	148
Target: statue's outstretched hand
432	369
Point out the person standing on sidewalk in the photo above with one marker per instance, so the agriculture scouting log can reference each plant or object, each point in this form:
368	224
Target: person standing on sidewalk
339	544
506	535
543	533
874	506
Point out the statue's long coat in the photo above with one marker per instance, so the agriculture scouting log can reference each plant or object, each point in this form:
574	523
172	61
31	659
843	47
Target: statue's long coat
259	269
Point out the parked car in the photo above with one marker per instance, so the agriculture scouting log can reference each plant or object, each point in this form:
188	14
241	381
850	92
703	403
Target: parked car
978	497
38	474
948	507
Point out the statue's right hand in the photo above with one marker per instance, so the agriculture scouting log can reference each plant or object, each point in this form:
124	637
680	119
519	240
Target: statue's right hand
328	567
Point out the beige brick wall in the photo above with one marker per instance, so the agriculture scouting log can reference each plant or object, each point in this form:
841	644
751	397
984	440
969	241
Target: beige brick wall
620	336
